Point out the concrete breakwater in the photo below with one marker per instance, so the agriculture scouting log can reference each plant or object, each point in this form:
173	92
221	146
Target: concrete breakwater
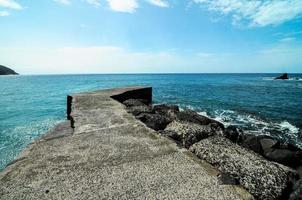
108	150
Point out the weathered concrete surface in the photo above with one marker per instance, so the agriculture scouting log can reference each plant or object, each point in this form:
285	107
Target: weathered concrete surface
109	155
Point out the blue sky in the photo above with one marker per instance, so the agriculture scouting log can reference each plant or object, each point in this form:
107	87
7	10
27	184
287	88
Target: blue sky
151	36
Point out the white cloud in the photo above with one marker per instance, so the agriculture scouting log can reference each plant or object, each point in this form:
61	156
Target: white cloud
128	6
123	5
287	39
256	12
4	14
110	59
95	3
65	2
159	3
10	4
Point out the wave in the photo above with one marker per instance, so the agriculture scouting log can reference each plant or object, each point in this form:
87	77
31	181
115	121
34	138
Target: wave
255	125
290	79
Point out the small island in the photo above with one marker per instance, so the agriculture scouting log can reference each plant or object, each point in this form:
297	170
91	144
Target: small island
7	71
282	77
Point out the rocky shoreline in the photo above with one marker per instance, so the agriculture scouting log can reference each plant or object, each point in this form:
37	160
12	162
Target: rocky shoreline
266	167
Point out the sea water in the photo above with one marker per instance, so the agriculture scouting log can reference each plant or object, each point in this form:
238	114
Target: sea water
31	105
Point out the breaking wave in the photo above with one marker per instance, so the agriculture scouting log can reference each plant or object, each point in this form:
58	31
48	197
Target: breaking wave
255	125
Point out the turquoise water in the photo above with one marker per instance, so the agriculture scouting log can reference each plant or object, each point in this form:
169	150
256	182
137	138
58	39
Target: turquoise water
30	105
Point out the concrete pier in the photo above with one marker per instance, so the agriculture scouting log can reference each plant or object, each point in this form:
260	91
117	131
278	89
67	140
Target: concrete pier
103	152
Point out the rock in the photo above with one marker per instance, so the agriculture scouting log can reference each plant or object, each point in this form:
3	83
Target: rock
252	142
284	156
267	143
282	77
169	111
154	120
281	152
262	178
234	134
7	71
187	133
136	110
227	179
297	191
194	117
135	102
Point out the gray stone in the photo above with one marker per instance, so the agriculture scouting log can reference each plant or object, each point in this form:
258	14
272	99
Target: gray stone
134	102
263	179
188	133
194	117
252	142
154	121
234	134
136	110
297	192
169	111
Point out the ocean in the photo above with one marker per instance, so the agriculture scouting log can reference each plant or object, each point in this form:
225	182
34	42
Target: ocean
31	105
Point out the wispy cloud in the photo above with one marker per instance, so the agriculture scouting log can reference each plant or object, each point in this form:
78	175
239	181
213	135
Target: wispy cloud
256	12
160	3
287	39
10	4
95	3
65	2
127	6
123	6
4	13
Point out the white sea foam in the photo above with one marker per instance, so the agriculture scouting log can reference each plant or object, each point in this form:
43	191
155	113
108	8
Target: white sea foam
290	79
253	124
284	126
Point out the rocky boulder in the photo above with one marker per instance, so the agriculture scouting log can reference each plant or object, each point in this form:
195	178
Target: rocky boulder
271	148
297	191
136	110
282	77
281	152
154	120
252	142
194	117
169	111
234	134
262	178
187	133
135	102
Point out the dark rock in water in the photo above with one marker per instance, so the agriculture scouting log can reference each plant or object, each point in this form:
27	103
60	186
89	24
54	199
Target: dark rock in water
136	110
154	120
297	191
169	111
194	117
284	156
7	71
234	134
188	133
282	77
135	102
262	178
281	152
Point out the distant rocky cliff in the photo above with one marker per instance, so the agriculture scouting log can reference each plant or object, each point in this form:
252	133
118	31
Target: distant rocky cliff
6	71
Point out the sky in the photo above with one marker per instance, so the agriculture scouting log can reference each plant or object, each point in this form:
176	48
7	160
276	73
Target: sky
151	36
